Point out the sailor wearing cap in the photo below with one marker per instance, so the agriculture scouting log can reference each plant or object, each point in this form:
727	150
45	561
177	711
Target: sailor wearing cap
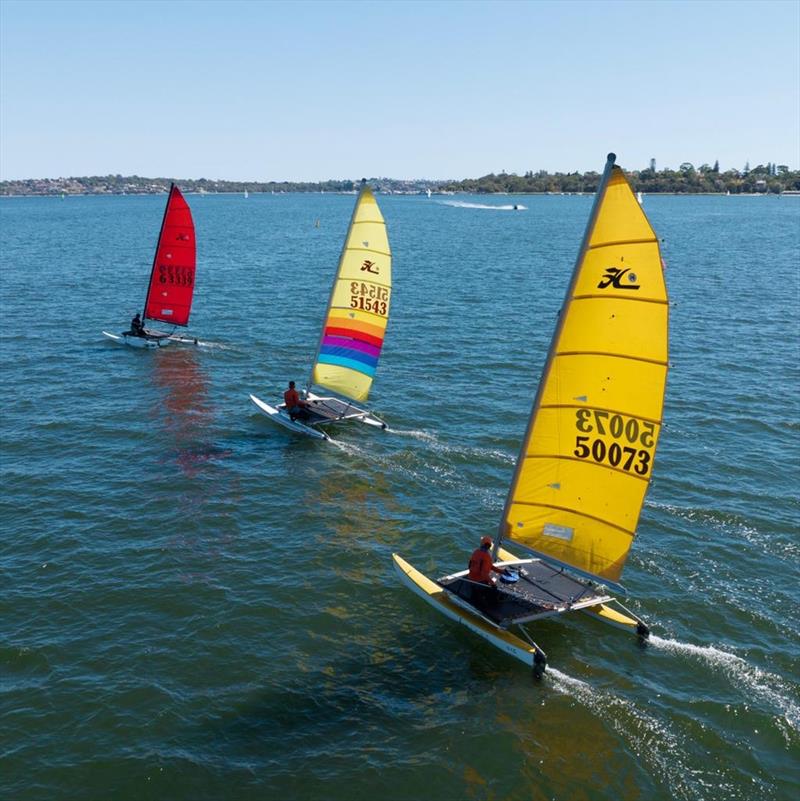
481	565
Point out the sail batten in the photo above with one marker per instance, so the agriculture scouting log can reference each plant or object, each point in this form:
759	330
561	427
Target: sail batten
635	300
358	310
171	287
579	514
622	242
576	406
661	362
586	460
573	459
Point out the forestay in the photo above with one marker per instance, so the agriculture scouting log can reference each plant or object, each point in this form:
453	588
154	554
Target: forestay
587	456
171	287
358	310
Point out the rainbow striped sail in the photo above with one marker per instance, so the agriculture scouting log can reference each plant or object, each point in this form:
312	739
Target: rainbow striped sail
358	310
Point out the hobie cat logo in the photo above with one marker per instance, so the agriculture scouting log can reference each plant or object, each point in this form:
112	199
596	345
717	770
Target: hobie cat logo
613	277
367	267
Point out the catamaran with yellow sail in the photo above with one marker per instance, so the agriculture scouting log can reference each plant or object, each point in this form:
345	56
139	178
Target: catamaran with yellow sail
587	455
352	335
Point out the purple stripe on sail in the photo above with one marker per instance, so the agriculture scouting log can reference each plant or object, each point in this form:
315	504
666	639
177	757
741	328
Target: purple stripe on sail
349	353
353	344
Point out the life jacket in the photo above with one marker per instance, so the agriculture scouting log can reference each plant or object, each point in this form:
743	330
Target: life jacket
480	566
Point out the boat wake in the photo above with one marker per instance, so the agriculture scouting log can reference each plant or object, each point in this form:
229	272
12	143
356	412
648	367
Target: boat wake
420	434
461	204
731	524
754	681
652	739
349	448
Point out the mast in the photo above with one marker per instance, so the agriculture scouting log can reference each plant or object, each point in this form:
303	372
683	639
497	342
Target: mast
155	255
610	159
333	285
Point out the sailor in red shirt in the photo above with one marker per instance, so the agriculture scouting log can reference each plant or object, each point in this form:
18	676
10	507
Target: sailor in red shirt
295	406
481	565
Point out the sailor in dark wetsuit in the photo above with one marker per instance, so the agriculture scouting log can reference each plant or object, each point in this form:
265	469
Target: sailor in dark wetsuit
137	328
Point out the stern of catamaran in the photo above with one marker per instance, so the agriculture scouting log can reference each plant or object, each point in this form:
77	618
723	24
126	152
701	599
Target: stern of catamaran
336	408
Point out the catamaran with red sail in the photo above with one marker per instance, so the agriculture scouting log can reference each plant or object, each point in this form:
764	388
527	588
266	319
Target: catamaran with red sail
171	286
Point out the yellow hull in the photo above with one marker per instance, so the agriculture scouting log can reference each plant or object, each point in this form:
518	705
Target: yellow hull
437	597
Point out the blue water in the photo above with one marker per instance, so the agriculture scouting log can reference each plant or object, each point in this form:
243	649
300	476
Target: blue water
196	604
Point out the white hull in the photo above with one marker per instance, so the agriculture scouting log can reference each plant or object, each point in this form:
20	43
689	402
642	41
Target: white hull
150	342
138	342
280	417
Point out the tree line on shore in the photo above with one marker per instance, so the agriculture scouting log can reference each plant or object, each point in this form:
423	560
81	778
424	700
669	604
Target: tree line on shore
764	178
769	178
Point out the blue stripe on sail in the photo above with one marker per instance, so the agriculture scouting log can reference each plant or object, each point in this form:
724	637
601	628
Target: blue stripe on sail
339	361
350	353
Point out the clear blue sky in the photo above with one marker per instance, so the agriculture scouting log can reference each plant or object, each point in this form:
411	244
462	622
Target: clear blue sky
316	90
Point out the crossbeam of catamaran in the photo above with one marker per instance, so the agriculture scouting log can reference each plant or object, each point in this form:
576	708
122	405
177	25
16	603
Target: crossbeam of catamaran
586	458
352	333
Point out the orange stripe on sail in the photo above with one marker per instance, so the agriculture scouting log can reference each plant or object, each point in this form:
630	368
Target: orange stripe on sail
356	325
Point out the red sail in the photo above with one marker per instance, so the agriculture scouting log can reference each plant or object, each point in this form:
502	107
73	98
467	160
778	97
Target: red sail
169	296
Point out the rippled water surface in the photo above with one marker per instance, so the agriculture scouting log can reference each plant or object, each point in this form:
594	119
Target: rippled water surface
198	605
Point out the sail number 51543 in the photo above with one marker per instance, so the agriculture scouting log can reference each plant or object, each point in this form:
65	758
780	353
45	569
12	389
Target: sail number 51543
605	424
369	297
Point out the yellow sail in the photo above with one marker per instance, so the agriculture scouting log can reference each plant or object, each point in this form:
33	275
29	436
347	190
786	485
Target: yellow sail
358	311
587	457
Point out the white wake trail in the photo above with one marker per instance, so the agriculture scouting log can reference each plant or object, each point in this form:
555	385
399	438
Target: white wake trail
461	204
753	680
650	739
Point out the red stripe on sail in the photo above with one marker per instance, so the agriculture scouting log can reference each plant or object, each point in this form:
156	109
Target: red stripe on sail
169	296
347	332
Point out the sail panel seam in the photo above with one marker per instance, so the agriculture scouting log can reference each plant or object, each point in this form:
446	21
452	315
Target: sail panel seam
599	409
621	297
364	311
659	362
579	514
368	250
565	457
653	241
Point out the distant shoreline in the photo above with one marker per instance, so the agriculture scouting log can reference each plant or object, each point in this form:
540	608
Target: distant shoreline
705	180
58	195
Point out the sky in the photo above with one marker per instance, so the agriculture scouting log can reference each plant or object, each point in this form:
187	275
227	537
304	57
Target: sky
299	91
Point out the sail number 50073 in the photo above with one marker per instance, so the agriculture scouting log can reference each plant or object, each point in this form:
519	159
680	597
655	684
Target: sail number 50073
626	457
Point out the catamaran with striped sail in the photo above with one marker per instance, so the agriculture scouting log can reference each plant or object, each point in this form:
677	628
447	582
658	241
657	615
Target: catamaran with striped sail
587	455
353	330
171	286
